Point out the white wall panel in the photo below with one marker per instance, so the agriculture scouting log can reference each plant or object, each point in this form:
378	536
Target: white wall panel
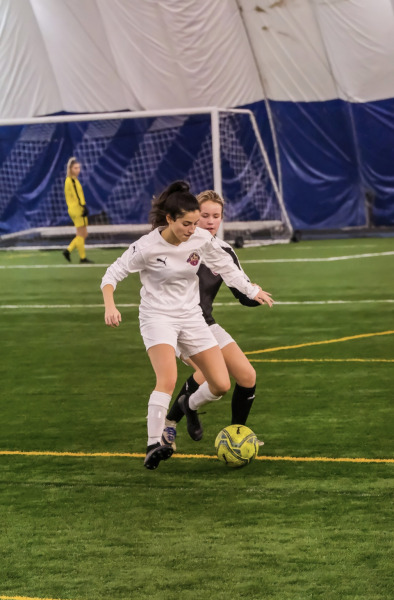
78	49
359	38
212	50
182	53
289	50
27	83
142	53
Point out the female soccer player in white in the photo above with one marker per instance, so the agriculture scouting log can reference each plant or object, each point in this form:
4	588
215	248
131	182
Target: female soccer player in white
239	367
168	259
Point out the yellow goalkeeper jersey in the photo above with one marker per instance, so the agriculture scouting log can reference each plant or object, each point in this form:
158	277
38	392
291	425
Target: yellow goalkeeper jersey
74	196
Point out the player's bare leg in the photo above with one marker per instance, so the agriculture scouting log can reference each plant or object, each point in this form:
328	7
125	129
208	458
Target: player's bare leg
217	382
213	367
162	357
244	374
82	231
238	367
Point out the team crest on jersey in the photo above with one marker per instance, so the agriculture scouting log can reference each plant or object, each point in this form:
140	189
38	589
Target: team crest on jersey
193	259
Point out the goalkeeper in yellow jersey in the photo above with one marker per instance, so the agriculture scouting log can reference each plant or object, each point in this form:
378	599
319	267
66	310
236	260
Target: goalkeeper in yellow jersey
77	210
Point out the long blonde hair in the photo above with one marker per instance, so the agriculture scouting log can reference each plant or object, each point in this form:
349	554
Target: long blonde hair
71	162
210	196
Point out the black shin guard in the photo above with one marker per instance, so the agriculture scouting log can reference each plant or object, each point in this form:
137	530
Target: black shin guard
189	387
241	404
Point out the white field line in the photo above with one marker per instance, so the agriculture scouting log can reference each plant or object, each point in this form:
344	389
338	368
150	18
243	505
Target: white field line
255	261
88	247
363	301
78	266
31	249
132	305
326	259
304	246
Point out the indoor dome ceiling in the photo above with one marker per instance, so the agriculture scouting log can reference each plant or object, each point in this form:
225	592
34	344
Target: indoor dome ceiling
326	67
106	55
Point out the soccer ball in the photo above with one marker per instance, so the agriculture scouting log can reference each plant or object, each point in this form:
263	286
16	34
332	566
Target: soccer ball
236	446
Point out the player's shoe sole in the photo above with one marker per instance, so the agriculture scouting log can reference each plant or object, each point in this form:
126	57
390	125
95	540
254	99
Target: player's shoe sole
155	454
168	437
67	255
194	426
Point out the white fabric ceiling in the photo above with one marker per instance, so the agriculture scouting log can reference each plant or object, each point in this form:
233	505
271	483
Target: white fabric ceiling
106	55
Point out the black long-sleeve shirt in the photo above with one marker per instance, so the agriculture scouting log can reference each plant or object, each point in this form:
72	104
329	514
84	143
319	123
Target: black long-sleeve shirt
210	285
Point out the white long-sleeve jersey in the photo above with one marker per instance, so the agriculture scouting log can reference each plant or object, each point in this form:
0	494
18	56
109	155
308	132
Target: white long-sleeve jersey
168	273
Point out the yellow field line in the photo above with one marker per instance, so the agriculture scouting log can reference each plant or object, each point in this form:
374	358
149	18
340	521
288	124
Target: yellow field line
25	598
344	339
326	459
313	360
198	456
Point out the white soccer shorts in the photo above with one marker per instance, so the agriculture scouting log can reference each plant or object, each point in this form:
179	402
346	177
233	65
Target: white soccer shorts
222	337
187	336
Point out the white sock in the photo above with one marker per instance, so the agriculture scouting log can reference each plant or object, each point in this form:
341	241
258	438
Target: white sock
157	411
202	396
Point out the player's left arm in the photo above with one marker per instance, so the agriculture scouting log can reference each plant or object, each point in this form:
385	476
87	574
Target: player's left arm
242	298
81	195
219	261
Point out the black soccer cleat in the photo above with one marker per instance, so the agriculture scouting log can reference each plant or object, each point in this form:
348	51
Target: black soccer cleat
67	255
86	261
194	426
155	453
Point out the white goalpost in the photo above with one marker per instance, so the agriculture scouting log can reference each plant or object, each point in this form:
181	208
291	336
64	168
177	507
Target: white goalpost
216	157
209	147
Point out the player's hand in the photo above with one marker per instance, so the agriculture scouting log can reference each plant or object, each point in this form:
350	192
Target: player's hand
264	298
85	211
112	317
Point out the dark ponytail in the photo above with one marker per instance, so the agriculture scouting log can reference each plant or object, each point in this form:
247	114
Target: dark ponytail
175	200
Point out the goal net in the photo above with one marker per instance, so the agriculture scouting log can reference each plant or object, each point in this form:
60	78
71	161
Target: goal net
126	159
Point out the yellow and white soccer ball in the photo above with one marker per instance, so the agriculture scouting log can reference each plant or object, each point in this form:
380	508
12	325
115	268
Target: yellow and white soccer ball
236	446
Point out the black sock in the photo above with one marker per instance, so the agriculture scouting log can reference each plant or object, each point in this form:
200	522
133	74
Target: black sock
189	387
241	404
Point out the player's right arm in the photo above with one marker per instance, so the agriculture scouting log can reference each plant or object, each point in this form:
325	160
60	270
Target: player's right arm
131	261
112	316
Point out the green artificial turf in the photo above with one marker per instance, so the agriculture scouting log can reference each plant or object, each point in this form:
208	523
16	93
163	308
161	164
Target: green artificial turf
93	528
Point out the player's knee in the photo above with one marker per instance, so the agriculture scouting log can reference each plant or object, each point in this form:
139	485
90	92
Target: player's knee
247	378
220	387
166	385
